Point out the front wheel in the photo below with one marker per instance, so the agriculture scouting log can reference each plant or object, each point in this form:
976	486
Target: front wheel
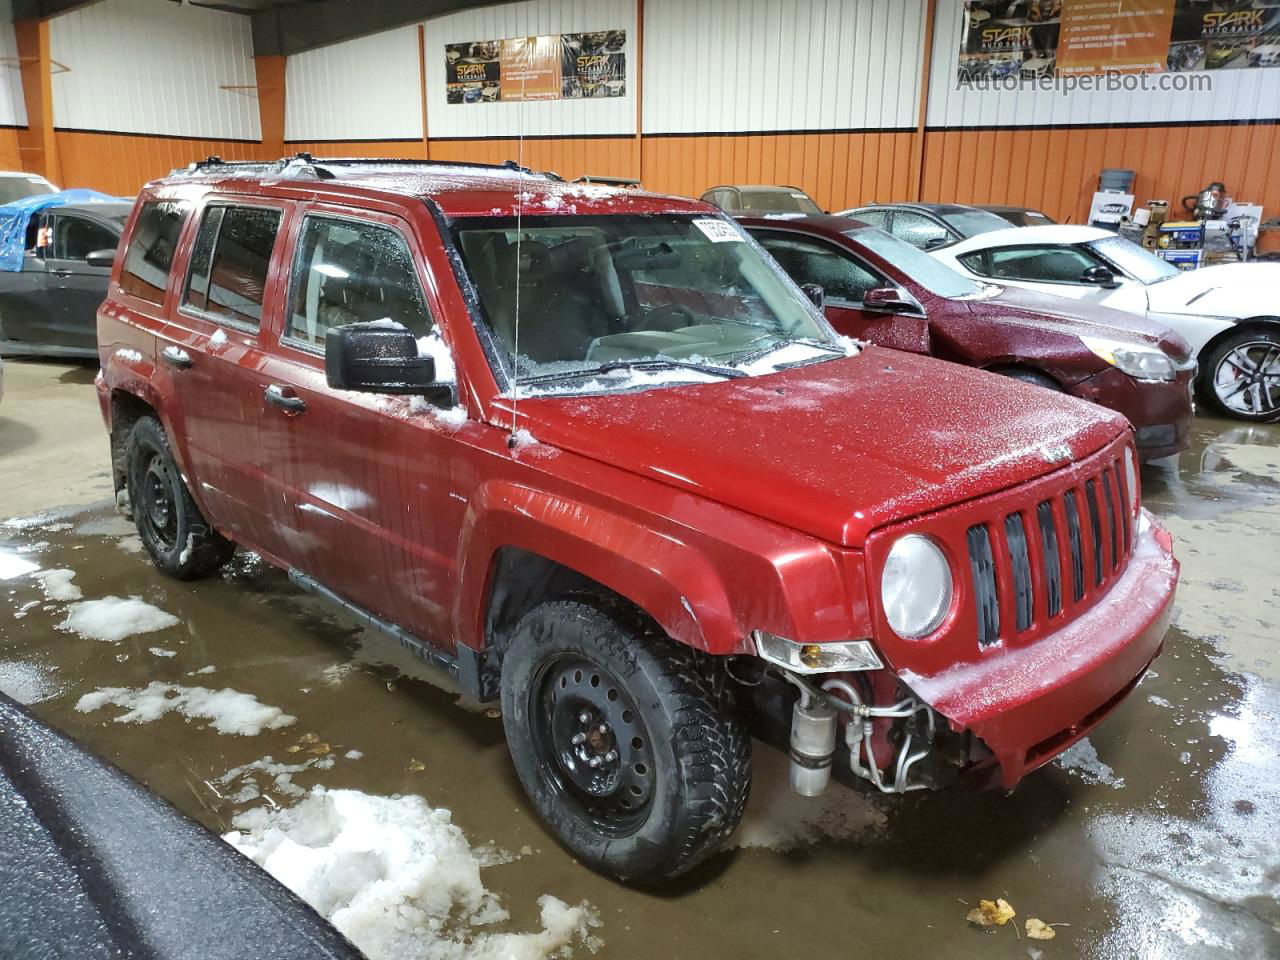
625	741
1241	376
179	539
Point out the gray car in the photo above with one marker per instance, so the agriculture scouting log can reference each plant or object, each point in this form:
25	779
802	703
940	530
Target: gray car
928	226
49	307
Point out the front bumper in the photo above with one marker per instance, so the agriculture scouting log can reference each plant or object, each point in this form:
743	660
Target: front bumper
1028	704
1160	411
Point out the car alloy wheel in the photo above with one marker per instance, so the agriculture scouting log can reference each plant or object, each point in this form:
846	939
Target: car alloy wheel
1246	380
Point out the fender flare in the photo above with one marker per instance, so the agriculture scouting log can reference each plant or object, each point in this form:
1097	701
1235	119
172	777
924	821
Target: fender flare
669	579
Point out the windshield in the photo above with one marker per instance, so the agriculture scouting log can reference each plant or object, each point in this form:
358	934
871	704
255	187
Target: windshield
970	223
1133	260
931	273
777	201
685	297
16	188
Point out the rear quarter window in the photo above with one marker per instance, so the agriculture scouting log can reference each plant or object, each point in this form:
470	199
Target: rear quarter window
149	258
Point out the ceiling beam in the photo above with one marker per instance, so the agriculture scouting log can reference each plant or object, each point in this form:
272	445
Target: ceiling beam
284	30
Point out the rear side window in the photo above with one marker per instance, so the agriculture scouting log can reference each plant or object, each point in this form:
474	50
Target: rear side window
229	264
350	272
151	248
918	230
1046	264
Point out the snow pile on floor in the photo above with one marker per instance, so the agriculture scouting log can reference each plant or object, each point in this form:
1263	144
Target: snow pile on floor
57	584
1082	759
397	878
229	711
114	618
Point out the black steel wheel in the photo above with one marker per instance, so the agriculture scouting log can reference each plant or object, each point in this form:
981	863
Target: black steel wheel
1241	376
179	539
627	743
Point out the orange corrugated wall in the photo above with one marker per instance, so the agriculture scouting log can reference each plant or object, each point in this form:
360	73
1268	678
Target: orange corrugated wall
121	163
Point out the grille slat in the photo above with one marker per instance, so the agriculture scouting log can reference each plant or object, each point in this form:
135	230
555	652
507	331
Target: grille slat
1110	499
985	598
1095	528
1052	563
1020	563
1076	544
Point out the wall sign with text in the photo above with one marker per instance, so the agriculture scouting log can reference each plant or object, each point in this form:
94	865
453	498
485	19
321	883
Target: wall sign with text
563	66
1043	38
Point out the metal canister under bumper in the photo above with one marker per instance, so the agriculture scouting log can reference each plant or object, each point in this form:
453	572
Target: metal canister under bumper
1029	704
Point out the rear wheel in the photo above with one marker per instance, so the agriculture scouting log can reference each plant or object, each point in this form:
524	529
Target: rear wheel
177	536
625	741
1241	376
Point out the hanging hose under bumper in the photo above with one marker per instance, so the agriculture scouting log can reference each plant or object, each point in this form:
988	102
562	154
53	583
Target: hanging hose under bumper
841	695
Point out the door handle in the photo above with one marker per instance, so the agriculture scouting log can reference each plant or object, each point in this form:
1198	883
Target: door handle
60	273
285	399
176	357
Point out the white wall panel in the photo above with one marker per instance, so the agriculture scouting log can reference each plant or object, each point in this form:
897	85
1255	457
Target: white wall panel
1236	95
760	65
615	116
13	109
364	89
145	66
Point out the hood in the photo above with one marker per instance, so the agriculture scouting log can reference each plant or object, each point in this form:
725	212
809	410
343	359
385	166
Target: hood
1085	319
835	449
1236	291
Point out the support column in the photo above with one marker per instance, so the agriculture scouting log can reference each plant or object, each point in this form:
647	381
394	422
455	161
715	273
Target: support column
38	143
926	79
270	72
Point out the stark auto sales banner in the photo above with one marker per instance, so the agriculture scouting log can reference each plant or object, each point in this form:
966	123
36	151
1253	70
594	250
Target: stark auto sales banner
1058	37
565	66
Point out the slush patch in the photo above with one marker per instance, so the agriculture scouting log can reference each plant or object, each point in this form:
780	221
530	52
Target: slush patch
113	618
228	711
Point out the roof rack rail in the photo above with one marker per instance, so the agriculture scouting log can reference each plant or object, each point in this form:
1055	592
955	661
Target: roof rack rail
318	166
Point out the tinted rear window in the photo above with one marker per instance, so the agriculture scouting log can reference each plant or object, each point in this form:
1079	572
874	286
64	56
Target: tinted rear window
151	249
229	263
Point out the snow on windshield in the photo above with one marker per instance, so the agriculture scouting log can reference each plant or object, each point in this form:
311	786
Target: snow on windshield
669	296
1138	263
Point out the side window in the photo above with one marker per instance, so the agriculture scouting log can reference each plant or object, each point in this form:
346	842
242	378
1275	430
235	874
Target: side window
350	272
873	218
1046	264
811	261
151	248
228	276
918	230
74	238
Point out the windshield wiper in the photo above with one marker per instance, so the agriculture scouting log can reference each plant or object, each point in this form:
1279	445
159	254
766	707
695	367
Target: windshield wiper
648	363
786	342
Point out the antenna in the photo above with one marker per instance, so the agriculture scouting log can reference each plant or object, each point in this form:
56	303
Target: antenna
515	346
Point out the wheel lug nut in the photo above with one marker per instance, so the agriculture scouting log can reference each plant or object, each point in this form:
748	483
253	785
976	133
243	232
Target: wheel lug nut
611	756
584	717
594	762
578	739
603	728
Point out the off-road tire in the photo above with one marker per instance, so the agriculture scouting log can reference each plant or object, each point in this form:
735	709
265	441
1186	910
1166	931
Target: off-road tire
1257	339
699	744
185	546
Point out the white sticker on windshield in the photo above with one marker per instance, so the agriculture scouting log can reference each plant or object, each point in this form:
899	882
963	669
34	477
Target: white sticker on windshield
717	231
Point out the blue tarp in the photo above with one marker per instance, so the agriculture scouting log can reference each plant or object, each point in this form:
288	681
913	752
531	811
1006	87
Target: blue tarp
15	216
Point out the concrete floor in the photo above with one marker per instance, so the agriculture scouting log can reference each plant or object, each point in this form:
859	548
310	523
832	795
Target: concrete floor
1167	847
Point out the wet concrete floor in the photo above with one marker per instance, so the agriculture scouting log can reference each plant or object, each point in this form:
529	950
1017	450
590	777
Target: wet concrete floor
1165	846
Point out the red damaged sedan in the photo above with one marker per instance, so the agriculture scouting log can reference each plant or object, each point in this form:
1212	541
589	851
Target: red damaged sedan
875	287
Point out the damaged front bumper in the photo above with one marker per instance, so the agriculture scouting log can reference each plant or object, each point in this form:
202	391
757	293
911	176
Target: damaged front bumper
1028	704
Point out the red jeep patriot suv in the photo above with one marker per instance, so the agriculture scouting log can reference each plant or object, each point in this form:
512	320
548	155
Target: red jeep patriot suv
594	454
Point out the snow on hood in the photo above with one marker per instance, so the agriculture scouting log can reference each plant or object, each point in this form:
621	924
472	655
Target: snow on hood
834	449
1234	290
1074	318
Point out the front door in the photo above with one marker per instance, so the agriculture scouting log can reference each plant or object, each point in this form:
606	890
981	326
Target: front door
76	289
845	280
361	481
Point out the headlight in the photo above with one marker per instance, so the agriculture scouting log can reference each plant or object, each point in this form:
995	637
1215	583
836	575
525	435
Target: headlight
1131	478
915	587
1135	359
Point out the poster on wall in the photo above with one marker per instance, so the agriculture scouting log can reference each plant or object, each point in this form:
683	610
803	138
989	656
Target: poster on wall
566	66
1045	38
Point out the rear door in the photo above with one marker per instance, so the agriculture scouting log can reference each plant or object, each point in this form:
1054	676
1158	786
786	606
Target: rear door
25	317
845	279
360	481
212	349
75	289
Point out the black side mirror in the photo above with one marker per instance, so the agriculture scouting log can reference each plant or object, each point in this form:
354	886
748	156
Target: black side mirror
101	258
933	243
1102	277
888	300
374	358
816	294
